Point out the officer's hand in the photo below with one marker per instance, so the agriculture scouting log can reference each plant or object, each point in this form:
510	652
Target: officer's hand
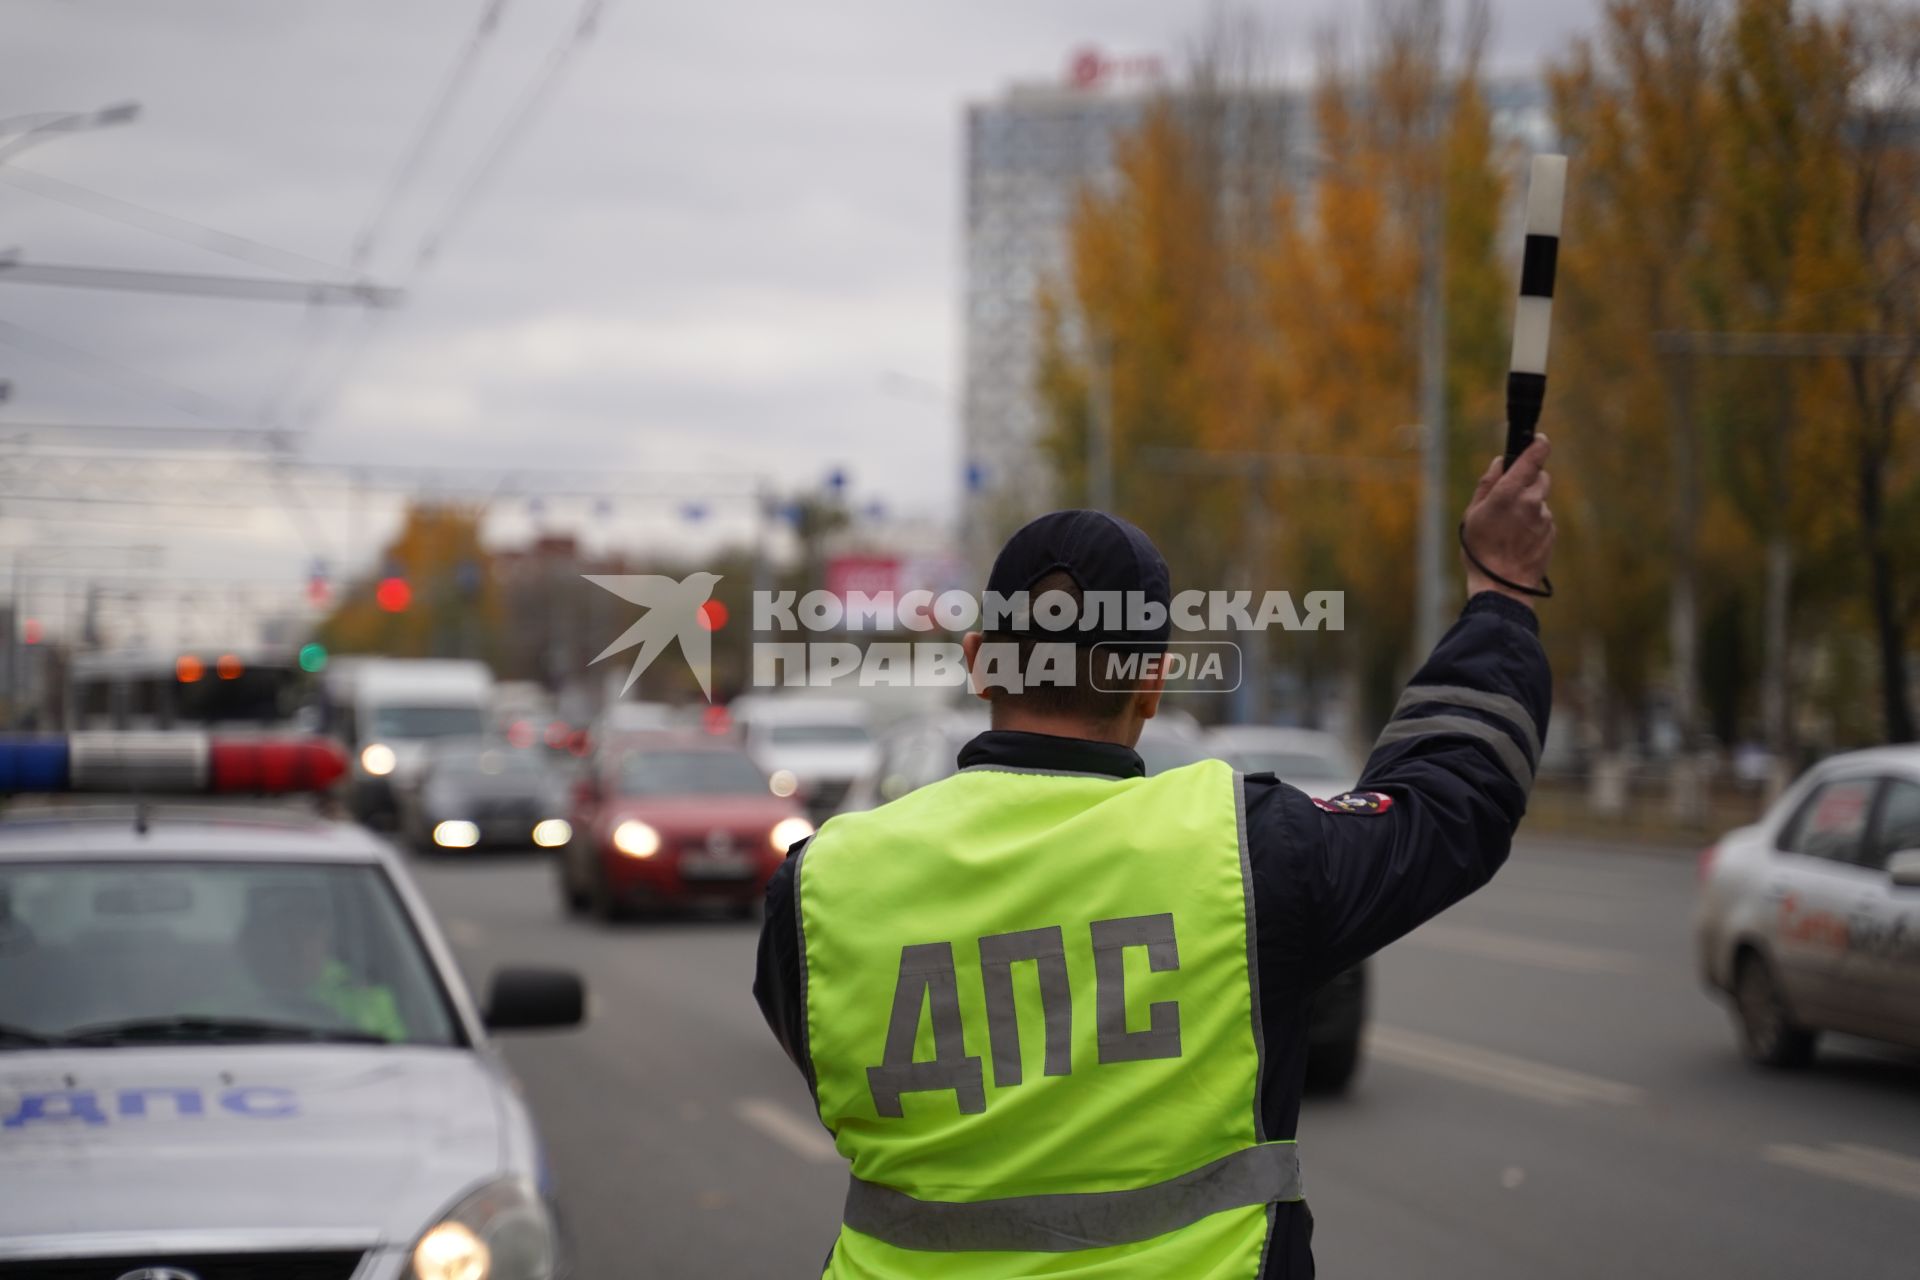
1509	525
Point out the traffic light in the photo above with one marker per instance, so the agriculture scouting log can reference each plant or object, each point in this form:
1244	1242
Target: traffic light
187	669
313	657
393	594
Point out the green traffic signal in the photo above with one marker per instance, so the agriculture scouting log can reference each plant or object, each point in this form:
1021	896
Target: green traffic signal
313	657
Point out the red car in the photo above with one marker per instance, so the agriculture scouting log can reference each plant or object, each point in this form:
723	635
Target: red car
674	820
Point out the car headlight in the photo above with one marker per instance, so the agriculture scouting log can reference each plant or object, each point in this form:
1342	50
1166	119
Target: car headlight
378	759
552	833
500	1232
788	831
456	833
636	839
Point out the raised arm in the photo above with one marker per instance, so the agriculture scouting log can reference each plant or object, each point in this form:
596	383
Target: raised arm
1447	782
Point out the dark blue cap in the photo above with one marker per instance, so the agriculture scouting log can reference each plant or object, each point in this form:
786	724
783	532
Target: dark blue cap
1105	556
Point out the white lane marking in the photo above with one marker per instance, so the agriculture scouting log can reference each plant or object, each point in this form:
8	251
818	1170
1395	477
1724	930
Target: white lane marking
1850	1162
465	933
1520	1077
804	1137
1539	952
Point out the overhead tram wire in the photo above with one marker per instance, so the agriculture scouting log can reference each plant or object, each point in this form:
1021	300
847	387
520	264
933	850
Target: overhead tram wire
585	26
412	162
197	284
31	435
157	478
546	80
170	226
182	231
58	351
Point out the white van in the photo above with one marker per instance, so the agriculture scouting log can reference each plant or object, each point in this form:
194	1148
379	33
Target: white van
813	747
386	711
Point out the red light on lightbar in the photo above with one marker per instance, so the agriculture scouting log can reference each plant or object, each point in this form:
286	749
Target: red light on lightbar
310	765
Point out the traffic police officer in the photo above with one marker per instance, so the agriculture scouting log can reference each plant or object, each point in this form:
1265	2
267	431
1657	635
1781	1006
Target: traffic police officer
1055	1012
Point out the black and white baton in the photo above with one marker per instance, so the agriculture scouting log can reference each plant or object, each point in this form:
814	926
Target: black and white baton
1533	321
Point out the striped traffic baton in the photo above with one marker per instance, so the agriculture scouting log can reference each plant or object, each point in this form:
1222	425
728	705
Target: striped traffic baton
1533	321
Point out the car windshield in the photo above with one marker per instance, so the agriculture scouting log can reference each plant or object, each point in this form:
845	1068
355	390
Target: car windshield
415	723
819	734
689	773
108	953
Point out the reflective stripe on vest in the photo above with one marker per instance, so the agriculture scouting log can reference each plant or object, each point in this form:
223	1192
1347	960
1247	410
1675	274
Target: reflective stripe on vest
1087	1220
1033	1026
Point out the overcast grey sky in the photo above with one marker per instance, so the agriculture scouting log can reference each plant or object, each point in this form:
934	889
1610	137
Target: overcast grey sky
728	225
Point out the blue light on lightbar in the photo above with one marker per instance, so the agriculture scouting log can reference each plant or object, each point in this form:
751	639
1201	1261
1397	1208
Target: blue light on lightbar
33	764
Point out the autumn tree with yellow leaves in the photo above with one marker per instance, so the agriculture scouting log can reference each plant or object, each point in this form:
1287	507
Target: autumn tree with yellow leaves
1152	340
453	607
1735	385
1733	319
1409	126
1246	338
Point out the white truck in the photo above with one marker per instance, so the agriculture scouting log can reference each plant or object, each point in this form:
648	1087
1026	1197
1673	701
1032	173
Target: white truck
813	747
386	711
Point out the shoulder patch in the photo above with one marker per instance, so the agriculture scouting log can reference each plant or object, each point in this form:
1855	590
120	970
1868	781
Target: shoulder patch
1356	802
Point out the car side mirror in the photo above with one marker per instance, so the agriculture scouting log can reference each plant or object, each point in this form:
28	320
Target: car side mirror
1904	869
535	999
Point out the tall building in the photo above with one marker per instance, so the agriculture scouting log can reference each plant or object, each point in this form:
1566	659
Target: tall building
1030	152
1029	155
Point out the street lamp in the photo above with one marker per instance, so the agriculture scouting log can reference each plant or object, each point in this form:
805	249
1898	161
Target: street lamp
41	126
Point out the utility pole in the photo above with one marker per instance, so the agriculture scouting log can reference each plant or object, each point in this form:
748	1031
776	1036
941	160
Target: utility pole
58	556
1100	429
1259	470
1256	679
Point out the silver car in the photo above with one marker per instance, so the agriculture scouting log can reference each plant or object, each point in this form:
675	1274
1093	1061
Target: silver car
475	793
233	1043
1809	920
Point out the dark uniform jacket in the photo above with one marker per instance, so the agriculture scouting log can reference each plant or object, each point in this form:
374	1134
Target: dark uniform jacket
1333	881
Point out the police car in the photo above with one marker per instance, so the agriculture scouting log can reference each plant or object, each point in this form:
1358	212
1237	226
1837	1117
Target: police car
1809	920
233	1043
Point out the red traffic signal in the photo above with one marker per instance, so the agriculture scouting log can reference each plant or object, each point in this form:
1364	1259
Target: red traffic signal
393	594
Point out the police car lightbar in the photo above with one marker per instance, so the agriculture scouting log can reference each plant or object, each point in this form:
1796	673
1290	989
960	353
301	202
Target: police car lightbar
168	764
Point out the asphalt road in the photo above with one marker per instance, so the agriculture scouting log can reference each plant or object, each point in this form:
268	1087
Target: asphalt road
1548	1093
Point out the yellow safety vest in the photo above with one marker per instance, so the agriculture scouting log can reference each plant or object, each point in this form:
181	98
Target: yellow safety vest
1033	1028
